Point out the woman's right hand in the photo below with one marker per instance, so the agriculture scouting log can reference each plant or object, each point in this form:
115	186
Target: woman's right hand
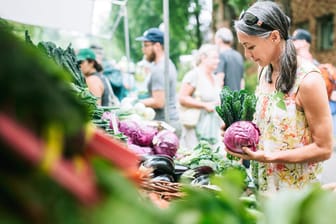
209	106
330	186
223	127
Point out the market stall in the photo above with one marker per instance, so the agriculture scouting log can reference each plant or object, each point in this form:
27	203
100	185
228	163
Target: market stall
67	160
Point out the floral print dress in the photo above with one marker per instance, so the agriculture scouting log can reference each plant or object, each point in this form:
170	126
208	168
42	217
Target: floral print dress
283	126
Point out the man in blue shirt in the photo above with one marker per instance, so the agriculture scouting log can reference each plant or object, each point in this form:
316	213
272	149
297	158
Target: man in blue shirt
152	46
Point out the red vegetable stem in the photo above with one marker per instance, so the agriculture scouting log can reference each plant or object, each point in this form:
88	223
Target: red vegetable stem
113	150
22	140
80	184
31	148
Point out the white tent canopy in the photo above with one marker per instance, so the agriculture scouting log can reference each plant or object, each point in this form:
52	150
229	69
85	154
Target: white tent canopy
78	17
73	15
82	16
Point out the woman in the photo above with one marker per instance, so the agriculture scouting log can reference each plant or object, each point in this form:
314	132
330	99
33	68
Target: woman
200	90
292	110
97	83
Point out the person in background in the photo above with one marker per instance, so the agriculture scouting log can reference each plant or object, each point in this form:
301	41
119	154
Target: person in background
99	52
142	75
152	47
203	83
231	65
97	83
295	125
115	78
302	41
127	69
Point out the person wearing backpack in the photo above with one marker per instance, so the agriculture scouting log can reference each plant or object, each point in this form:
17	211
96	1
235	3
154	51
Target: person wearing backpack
328	72
98	84
302	41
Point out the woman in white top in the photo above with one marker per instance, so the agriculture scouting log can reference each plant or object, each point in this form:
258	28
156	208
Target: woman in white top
200	89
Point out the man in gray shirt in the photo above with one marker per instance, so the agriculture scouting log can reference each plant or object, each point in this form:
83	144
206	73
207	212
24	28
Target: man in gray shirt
231	64
152	46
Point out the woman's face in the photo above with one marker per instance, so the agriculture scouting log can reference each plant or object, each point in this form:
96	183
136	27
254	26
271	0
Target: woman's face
86	67
261	50
211	60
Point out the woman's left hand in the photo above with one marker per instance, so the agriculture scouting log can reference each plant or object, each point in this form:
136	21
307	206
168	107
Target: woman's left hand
249	154
330	186
209	106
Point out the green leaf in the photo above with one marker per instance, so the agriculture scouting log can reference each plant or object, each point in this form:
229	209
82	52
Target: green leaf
278	97
281	104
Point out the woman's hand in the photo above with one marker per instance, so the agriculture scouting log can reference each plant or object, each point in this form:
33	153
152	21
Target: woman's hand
249	154
223	127
330	186
209	106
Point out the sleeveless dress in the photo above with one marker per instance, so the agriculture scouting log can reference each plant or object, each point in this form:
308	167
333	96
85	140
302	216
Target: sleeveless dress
283	126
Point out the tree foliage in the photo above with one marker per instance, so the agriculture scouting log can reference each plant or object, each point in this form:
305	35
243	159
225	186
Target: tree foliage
239	5
147	13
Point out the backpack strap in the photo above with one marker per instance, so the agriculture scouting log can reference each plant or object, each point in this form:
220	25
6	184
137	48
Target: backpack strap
331	74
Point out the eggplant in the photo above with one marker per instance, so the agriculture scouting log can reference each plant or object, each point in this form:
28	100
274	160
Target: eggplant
179	170
164	177
201	180
203	170
160	165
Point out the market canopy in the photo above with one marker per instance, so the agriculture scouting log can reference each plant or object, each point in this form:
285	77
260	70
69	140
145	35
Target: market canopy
84	16
75	15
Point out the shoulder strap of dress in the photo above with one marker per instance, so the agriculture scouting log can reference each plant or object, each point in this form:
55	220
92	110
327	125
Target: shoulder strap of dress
301	73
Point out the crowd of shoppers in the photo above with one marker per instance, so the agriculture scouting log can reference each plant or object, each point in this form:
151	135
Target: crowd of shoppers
294	139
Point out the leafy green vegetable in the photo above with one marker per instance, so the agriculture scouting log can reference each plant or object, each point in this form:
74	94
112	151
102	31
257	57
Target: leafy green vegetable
309	206
236	106
37	91
65	58
214	206
204	155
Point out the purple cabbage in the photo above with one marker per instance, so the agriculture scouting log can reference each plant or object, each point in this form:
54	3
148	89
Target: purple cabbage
127	127
240	134
165	143
107	115
144	136
141	150
141	135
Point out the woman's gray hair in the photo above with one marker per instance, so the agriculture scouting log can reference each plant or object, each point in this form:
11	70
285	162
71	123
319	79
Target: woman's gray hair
271	14
203	51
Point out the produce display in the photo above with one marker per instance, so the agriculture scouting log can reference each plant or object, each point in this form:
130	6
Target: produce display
46	138
66	160
144	139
